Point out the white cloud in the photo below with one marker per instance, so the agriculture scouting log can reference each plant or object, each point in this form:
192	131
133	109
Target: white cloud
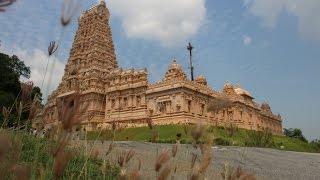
306	11
247	40
167	21
37	61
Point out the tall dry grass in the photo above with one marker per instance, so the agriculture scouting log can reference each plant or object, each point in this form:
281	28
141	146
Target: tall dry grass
5	3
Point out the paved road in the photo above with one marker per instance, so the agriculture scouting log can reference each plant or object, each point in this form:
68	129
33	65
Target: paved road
266	164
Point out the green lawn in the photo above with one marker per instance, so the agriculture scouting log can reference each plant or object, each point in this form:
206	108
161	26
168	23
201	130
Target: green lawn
167	134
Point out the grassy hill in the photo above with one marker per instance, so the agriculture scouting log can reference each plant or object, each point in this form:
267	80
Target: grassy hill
221	135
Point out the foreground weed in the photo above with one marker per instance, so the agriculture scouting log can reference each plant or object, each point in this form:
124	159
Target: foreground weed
238	174
5	3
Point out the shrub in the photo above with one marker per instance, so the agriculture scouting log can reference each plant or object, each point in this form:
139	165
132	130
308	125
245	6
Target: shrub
259	139
231	129
294	133
222	141
185	141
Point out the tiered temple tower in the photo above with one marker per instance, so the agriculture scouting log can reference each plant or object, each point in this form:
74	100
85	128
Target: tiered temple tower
92	58
92	55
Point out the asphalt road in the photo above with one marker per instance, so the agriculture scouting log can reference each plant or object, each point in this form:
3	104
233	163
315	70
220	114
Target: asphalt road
266	164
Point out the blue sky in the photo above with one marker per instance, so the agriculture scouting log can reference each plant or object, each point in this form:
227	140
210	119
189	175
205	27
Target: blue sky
269	47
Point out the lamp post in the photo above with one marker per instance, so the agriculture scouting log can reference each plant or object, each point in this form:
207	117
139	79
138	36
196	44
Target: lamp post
190	47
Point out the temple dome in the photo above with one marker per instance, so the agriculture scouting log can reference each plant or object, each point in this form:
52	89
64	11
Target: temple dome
201	79
175	71
265	107
175	65
241	91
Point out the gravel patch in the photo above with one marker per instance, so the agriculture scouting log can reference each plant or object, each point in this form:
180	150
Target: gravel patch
265	163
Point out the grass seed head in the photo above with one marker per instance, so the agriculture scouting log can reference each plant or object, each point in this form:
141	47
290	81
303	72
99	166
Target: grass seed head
60	163
35	104
68	109
5	3
121	158
52	48
195	172
207	155
193	159
42	172
249	177
94	154
197	132
175	149
103	168
68	10
129	155
4	145
135	175
6	112
154	135
113	125
149	122
111	147
124	157
164	174
238	174
123	174
26	90
185	129
22	172
161	160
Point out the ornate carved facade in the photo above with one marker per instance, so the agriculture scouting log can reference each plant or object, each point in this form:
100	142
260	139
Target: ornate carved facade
111	94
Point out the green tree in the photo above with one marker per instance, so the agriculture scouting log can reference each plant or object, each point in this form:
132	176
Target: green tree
316	143
294	133
12	68
10	84
36	91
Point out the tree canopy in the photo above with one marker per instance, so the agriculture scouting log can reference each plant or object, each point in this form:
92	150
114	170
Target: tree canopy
11	92
294	133
9	77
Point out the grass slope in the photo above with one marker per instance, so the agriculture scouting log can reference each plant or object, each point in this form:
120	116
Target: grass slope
33	154
167	134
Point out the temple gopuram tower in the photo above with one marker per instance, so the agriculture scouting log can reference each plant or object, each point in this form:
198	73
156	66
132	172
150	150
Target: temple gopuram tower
92	58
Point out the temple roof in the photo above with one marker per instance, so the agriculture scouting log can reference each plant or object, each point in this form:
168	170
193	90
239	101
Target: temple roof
241	91
201	79
174	72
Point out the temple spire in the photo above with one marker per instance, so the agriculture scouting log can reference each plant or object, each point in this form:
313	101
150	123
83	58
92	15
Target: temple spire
92	53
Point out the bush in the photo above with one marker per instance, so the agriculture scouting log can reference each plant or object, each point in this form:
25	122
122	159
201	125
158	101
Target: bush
185	141
231	129
316	144
222	141
210	129
259	139
294	133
